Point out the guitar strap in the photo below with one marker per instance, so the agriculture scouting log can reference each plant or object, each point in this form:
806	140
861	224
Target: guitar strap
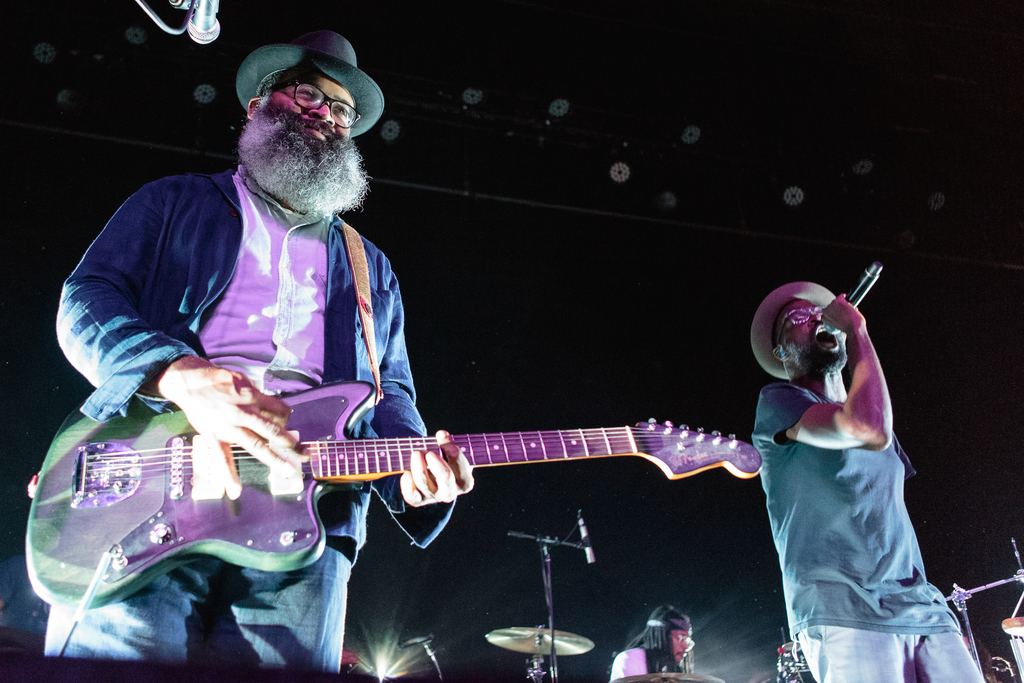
361	278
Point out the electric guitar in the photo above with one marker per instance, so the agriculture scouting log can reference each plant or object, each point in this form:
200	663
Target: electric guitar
124	487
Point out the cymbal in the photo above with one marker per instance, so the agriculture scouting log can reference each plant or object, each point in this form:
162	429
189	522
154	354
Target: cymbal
538	641
668	677
1014	626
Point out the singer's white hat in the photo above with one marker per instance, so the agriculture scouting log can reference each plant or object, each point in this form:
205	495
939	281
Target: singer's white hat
764	320
325	51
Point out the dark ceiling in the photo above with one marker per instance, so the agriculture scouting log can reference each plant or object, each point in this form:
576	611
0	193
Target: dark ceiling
899	122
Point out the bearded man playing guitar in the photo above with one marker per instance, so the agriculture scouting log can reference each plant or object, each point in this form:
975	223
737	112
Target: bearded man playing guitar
222	295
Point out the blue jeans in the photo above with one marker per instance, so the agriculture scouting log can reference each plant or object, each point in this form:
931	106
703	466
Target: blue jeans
836	654
214	612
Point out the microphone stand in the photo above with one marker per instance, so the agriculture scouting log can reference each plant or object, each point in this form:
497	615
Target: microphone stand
544	543
960	596
430	653
425	641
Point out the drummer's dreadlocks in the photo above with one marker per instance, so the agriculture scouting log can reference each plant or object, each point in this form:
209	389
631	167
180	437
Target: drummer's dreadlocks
656	640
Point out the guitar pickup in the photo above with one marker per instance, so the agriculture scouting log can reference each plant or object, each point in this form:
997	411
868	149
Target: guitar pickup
282	482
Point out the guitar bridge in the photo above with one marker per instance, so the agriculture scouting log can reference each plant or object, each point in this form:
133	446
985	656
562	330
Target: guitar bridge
105	473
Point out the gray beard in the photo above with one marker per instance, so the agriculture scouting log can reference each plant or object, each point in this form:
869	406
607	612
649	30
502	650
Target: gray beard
312	176
819	362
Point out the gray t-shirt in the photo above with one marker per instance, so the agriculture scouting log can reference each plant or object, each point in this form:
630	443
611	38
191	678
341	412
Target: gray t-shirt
847	549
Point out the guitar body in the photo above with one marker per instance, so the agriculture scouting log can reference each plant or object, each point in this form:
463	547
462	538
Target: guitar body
127	484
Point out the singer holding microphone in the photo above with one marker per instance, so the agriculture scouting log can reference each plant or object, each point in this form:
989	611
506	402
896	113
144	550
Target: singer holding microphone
857	599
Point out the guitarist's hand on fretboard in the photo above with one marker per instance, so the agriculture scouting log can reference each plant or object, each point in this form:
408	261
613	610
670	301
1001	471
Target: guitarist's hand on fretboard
436	479
226	408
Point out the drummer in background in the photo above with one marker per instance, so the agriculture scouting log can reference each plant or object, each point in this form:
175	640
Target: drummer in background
663	646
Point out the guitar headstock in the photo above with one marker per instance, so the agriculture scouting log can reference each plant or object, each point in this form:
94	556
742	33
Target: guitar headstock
683	452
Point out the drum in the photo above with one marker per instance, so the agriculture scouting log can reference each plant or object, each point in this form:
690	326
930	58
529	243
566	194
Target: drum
792	665
1014	627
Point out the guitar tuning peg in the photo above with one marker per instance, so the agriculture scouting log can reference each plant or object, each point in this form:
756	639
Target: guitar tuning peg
685	428
668	423
716	433
732	436
651	425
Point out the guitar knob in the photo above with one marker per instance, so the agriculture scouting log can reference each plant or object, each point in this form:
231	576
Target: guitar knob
160	534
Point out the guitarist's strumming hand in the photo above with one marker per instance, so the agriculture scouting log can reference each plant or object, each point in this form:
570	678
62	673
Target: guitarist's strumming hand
437	478
225	408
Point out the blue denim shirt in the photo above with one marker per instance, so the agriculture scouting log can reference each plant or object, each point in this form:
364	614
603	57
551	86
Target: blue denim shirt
134	303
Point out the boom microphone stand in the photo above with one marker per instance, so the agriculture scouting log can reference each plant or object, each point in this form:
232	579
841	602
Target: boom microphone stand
960	596
544	543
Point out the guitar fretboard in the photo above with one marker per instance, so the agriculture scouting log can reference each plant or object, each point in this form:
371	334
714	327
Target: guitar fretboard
330	459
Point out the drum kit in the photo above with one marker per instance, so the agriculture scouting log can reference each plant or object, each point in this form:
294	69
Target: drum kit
537	642
792	665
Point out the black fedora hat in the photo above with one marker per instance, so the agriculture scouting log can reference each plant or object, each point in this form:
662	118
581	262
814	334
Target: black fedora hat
325	51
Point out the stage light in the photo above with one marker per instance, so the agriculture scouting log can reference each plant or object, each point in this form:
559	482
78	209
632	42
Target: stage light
691	134
666	201
390	130
69	100
472	96
558	108
385	662
204	93
135	35
619	172
863	167
906	239
382	668
793	196
44	53
936	200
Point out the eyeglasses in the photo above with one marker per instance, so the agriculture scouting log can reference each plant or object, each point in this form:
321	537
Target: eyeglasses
312	97
798	316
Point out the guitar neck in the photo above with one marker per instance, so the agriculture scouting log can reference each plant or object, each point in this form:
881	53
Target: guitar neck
372	458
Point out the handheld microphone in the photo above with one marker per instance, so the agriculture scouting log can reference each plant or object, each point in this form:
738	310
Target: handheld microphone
856	295
203	26
867	281
585	538
418	640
